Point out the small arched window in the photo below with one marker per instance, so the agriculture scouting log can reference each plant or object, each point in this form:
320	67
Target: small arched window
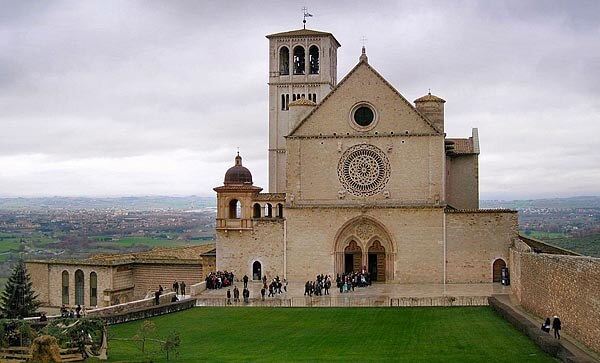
313	57
65	287
268	210
79	288
235	209
284	61
299	60
280	210
256	211
93	289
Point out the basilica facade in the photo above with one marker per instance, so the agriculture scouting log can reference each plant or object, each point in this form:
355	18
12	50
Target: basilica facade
359	179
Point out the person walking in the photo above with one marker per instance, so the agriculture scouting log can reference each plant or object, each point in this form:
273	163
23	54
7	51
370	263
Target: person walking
556	326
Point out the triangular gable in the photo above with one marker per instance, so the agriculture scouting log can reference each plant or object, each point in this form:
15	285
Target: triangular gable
364	63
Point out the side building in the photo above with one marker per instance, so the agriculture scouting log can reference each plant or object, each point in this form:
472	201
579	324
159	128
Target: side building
105	280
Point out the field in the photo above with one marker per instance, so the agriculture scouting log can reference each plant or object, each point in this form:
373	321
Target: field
457	334
587	245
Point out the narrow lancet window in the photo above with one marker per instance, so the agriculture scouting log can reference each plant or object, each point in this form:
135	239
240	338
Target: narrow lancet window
313	54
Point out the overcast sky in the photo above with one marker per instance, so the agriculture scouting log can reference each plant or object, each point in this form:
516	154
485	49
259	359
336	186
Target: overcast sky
111	98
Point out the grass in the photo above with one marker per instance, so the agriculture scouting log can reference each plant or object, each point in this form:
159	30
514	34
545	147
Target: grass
474	334
545	235
151	242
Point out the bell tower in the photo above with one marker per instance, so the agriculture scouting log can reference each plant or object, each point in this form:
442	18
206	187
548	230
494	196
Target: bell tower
302	64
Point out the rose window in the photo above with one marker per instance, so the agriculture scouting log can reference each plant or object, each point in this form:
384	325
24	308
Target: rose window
364	170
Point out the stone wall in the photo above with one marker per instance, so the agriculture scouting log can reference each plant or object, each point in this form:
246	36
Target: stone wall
238	250
474	240
148	276
463	182
567	286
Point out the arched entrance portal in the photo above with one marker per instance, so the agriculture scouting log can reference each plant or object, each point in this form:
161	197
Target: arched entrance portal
499	264
364	242
352	257
256	270
376	262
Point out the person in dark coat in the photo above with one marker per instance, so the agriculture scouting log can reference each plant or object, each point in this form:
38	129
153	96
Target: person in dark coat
182	288
245	281
228	296
176	287
246	295
546	325
556	326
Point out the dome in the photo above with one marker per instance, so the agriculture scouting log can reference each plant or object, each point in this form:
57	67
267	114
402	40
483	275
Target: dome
238	174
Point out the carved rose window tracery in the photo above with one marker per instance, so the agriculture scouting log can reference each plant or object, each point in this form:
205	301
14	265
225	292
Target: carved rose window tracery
364	170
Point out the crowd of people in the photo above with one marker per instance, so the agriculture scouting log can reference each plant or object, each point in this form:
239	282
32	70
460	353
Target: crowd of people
219	279
349	281
320	286
274	287
70	313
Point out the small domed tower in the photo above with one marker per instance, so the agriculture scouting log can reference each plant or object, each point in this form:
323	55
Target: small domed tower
432	107
234	198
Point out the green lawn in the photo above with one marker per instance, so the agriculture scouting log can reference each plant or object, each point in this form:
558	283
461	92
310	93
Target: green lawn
545	235
457	334
152	242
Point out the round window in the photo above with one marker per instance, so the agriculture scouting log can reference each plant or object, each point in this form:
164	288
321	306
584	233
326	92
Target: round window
364	116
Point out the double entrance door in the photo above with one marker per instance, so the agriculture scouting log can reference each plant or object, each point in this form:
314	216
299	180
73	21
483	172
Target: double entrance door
374	258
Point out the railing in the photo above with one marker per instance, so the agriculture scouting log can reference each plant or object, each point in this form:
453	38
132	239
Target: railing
440	301
147	312
349	301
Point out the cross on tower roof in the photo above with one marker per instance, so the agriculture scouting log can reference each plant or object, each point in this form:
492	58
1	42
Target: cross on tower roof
305	15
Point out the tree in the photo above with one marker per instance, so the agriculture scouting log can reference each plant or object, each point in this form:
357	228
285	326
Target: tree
18	299
171	344
146	330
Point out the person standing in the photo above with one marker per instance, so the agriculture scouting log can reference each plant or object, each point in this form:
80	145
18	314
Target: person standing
182	287
556	326
176	287
245	281
236	295
246	295
228	296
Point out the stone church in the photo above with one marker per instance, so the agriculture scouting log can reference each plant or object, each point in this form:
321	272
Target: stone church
359	178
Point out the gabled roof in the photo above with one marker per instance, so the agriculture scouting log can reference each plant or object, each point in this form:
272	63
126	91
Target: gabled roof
303	32
364	62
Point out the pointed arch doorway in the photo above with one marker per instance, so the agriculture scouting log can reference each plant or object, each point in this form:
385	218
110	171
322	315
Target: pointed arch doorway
364	243
376	262
352	257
